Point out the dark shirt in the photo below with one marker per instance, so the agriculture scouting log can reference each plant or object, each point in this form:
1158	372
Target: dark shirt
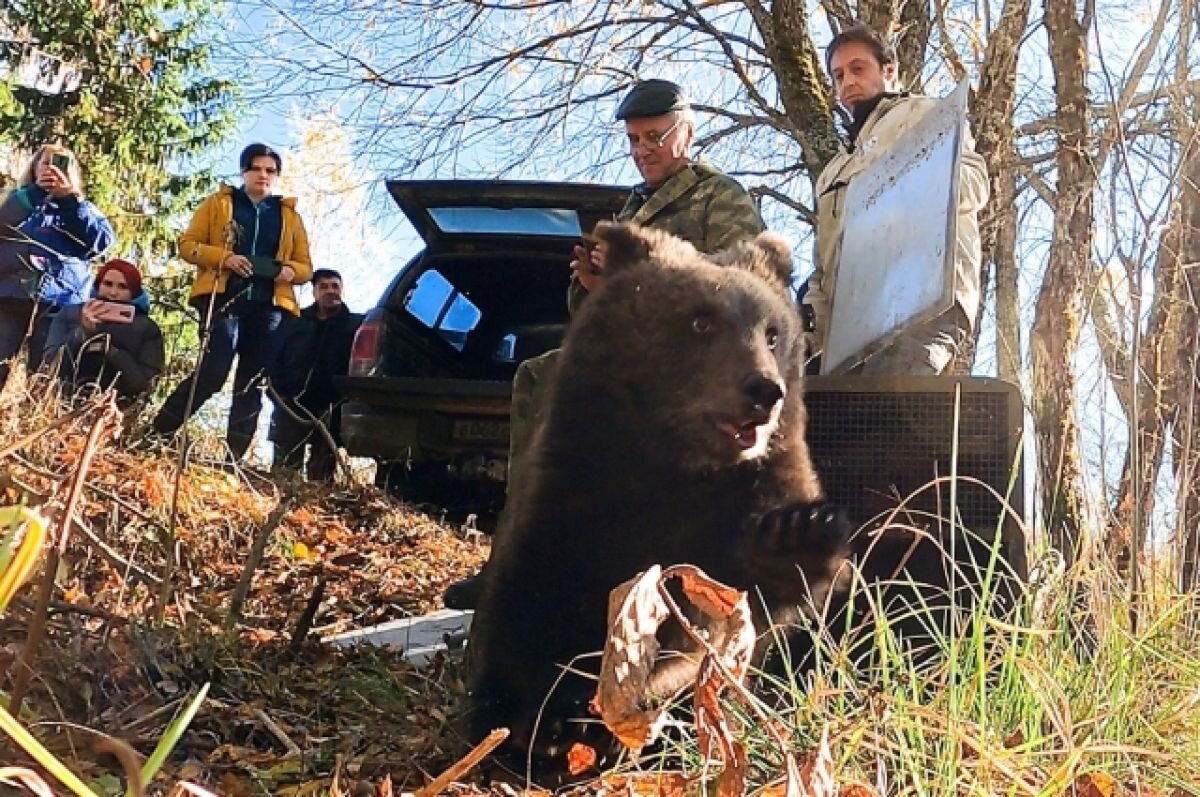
260	227
862	111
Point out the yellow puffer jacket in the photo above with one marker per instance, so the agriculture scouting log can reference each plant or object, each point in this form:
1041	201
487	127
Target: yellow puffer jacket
209	237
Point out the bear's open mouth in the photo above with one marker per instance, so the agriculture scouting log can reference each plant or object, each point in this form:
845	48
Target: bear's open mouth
744	434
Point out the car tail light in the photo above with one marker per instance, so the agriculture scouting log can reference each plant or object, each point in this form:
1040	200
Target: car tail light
364	356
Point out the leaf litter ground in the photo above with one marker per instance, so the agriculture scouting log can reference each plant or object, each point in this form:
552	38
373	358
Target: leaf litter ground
105	667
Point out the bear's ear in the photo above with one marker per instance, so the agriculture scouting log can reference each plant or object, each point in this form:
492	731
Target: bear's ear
774	258
629	245
626	245
768	257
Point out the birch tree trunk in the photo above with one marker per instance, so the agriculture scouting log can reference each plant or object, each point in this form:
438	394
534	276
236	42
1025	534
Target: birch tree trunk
1055	334
992	116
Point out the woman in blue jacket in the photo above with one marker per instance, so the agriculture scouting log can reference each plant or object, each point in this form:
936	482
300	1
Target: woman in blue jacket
48	233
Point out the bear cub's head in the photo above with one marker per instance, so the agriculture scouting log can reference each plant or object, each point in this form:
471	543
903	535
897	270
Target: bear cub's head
703	348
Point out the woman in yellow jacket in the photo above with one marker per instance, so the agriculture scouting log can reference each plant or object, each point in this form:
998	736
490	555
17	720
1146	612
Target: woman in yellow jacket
249	248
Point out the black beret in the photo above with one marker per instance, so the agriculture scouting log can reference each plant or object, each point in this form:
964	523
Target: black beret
652	98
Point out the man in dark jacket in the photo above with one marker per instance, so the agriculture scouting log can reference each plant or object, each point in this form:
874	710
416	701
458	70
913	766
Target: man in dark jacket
316	349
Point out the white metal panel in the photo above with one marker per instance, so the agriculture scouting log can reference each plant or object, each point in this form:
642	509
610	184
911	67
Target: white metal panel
421	638
897	254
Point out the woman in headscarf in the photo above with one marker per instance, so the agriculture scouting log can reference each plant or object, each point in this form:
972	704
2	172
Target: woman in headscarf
110	340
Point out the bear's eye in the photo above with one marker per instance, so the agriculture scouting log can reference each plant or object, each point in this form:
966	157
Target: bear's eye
772	337
702	323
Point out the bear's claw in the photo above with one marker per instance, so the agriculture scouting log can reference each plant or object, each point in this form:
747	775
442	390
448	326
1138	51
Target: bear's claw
805	528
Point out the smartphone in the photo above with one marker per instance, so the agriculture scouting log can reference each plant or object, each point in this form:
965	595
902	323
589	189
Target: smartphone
114	312
61	162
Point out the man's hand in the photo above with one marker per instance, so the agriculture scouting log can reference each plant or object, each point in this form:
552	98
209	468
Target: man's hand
238	265
89	316
285	274
55	182
588	265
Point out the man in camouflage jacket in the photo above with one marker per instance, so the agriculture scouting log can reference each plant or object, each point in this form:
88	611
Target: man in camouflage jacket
692	200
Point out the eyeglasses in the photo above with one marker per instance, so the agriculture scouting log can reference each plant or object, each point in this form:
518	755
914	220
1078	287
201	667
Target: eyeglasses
656	140
263	169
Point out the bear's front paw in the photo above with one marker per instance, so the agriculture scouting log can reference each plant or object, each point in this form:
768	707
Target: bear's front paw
804	529
566	725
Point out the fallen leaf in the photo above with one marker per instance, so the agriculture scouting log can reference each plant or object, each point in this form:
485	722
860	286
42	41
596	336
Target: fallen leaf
642	784
635	611
1095	784
625	699
816	774
857	790
580	758
233	786
713	734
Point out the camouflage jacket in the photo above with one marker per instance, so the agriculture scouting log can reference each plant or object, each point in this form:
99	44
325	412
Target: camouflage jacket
701	204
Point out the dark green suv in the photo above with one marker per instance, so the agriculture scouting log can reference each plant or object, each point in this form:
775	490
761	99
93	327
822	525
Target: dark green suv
429	390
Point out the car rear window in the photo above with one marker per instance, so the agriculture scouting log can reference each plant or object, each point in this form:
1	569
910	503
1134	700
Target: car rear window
442	308
508	221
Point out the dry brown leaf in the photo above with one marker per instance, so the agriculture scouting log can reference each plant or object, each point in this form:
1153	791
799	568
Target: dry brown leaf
816	774
580	758
643	784
233	786
384	789
1015	739
728	622
1095	784
635	611
711	597
715	738
857	790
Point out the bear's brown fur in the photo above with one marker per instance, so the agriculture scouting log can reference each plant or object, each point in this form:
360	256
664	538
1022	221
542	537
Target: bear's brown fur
675	434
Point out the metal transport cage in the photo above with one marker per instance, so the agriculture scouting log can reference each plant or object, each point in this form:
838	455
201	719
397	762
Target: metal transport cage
878	440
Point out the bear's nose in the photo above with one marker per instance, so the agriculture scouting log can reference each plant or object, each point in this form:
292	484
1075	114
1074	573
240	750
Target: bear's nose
763	391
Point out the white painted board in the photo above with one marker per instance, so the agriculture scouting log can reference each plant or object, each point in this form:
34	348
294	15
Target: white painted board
421	638
897	254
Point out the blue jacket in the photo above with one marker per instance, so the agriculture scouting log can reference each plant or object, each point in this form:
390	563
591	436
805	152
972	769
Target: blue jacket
57	237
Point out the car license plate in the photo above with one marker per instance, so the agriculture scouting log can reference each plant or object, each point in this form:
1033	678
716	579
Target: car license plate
481	430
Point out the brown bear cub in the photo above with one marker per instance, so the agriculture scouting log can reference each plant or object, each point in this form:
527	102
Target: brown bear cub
675	434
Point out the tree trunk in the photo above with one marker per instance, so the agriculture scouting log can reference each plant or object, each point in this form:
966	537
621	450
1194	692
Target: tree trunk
992	122
1055	334
803	87
916	22
1151	406
1187	395
1007	273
